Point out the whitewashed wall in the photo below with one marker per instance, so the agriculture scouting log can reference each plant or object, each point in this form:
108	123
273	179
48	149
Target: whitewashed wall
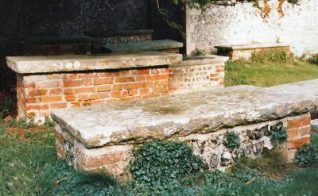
242	23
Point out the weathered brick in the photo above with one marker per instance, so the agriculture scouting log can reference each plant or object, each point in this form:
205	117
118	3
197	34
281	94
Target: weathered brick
299	122
98	102
87	82
133	92
161	90
112	158
101	81
292	134
297	143
55	91
48	84
304	131
84	97
104	88
104	95
165	70
58	105
160	77
68	91
154	71
124	79
87	103
125	73
29	85
214	78
72	83
118	94
140	78
46	99
36	107
30	100
144	91
75	104
84	90
148	84
70	97
221	69
37	92
142	72
130	86
71	76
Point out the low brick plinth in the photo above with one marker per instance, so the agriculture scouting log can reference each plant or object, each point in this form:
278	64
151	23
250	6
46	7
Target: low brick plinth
97	138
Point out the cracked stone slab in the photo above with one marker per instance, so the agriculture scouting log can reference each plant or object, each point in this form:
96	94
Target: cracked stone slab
67	63
185	114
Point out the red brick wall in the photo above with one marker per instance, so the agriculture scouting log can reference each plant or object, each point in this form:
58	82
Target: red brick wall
38	94
298	133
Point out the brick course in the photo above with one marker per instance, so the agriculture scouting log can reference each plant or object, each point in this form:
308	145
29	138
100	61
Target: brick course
298	133
39	94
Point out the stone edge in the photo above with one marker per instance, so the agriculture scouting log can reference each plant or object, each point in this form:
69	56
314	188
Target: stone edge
73	64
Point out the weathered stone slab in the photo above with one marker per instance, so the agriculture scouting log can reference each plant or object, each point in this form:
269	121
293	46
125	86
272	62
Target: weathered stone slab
68	63
149	45
185	114
236	52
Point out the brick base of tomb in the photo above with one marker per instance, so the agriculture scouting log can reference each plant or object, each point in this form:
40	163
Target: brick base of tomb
39	94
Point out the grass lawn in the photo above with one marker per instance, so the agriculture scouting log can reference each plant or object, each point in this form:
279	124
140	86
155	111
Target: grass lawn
28	166
268	73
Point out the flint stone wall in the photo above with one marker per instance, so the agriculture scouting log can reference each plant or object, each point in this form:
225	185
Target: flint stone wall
210	146
242	23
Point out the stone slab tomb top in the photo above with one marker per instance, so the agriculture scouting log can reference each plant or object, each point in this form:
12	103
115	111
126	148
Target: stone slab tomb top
252	46
69	63
149	45
184	114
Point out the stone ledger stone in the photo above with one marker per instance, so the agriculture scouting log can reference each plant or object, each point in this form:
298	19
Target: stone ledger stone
97	138
69	63
184	114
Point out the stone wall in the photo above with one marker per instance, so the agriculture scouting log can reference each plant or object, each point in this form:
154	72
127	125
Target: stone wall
242	23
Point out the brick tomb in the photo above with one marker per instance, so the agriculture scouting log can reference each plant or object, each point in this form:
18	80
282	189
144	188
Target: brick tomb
45	83
95	139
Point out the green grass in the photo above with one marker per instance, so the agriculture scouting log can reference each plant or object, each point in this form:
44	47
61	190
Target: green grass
28	166
268	73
